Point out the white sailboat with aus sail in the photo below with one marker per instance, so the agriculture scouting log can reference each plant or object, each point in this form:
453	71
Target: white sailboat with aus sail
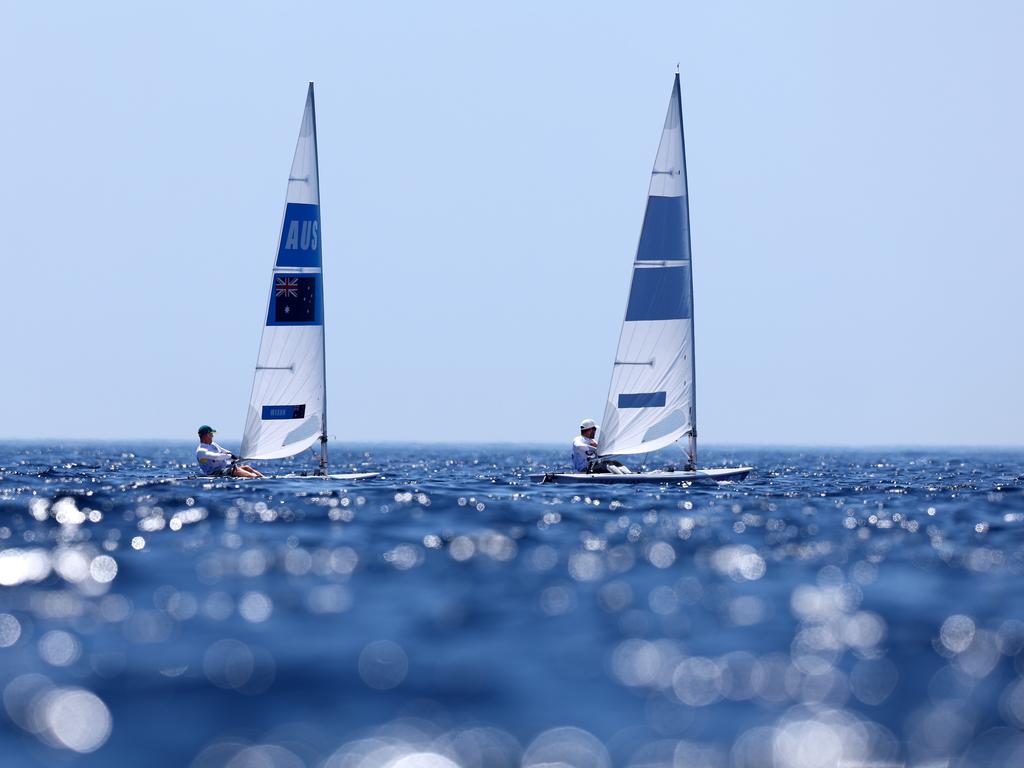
652	397
288	406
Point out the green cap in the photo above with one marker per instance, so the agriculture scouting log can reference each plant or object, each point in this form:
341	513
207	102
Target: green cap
206	428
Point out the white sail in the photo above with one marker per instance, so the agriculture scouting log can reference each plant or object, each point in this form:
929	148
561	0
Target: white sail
288	407
651	400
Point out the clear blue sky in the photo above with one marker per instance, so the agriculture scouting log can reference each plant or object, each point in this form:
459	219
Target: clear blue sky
856	175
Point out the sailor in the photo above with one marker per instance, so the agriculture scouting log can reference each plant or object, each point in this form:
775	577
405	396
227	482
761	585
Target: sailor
584	453
216	461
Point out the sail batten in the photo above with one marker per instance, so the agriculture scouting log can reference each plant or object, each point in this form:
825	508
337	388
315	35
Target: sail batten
651	396
287	407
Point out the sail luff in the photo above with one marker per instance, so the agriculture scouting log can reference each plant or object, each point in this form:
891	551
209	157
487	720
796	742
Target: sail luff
692	447
323	324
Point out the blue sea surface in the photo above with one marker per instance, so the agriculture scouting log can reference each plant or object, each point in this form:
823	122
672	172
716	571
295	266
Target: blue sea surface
837	608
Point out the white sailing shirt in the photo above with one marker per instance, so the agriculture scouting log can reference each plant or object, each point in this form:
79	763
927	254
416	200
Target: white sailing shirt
584	451
212	458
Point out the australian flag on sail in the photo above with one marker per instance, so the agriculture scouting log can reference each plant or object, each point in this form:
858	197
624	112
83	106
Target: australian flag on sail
295	300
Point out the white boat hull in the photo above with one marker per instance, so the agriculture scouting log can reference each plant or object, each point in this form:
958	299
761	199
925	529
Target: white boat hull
293	476
661	476
349	476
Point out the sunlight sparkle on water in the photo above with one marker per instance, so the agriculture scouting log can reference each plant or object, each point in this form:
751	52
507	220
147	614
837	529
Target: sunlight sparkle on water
864	605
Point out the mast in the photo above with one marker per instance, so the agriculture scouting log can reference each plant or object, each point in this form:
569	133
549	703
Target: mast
323	335
691	453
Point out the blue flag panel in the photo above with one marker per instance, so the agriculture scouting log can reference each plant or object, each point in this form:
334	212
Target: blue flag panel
284	412
643	400
659	293
295	300
664	236
300	236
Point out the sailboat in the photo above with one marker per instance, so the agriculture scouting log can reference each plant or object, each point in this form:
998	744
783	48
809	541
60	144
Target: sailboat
288	407
652	397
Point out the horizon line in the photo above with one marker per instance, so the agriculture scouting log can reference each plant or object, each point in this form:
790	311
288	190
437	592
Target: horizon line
546	443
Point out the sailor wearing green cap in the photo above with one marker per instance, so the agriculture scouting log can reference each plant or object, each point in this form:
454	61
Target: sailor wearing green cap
216	461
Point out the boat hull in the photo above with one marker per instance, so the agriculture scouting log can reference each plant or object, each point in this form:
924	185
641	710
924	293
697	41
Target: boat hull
349	476
663	477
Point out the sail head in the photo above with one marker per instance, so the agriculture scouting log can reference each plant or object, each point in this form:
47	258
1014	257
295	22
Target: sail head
651	399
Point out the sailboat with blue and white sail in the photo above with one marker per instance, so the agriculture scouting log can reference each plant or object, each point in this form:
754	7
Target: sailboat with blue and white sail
652	399
287	411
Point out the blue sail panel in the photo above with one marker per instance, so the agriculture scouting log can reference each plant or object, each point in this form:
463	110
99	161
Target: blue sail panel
300	236
659	293
664	236
643	400
296	300
275	412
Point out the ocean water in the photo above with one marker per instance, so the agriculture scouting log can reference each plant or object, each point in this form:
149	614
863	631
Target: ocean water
838	608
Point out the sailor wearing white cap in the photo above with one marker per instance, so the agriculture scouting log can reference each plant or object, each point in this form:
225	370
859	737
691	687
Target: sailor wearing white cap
584	452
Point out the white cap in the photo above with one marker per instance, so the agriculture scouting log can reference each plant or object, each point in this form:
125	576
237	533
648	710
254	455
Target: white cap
587	424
